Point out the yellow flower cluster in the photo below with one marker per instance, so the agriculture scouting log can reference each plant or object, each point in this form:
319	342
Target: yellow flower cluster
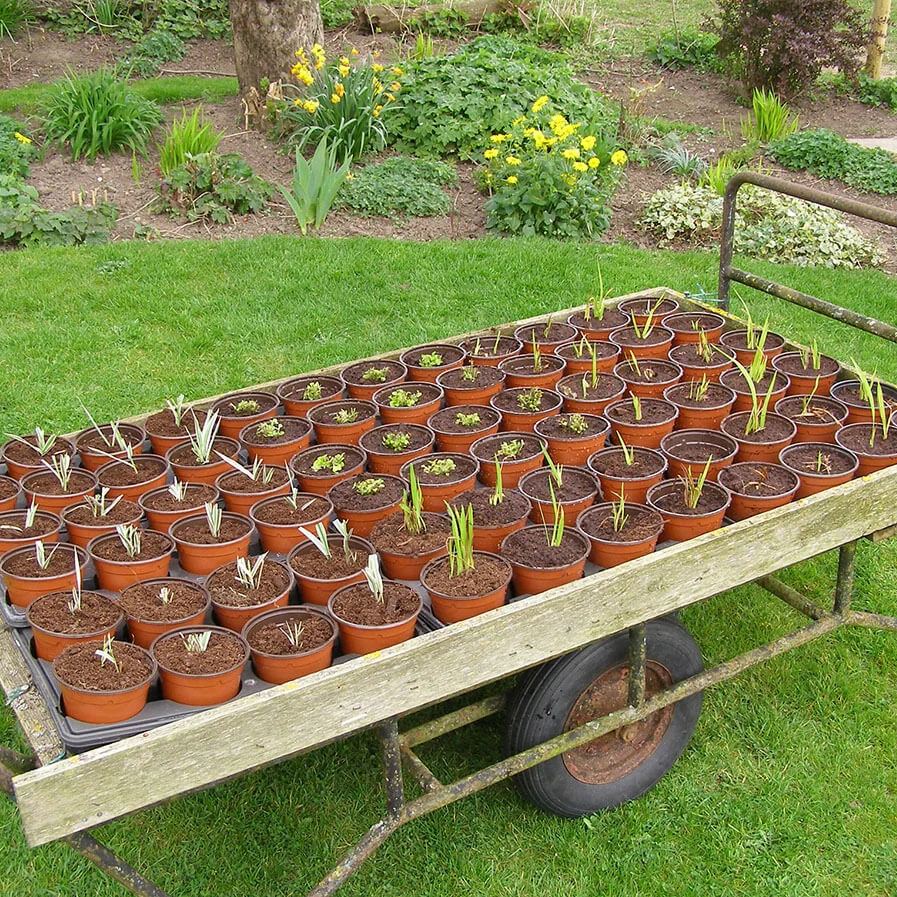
619	158
310	106
22	138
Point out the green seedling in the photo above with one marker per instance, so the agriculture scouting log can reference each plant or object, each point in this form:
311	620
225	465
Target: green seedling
537	356
245	406
270	429
810	359
196	642
460	544
400	398
202	440
530	399
293	631
628	452
470	373
178	408
619	517
555	535
556	470
131	538
498	493
312	392
318	538
375	375
178	490
509	450
467	420
345	533
165	595
575	423
258	473
412	505
374	577
637	407
439	467
430	360
98	505
107	653
694	486
370	486
61	467
345	416
213	518
396	442
333	463
43	442
697	390
74	603
249	573
42	559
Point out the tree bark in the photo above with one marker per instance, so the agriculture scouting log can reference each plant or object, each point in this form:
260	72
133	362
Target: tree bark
267	34
881	16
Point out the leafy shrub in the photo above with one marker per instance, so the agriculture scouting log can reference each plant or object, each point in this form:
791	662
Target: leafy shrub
782	46
315	185
452	104
684	48
863	89
189	136
767	225
547	176
24	223
96	113
399	185
14	16
336	13
16	148
192	19
828	155
345	103
152	52
214	186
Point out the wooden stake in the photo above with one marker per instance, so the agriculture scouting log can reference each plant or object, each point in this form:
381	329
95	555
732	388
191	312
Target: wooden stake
881	16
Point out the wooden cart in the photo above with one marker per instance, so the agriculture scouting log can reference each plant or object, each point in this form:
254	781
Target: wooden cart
616	615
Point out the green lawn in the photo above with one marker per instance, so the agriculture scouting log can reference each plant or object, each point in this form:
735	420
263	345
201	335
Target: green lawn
789	786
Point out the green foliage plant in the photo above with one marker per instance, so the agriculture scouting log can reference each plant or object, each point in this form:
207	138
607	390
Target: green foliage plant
151	52
401	398
96	113
315	185
336	13
15	15
193	19
400	185
460	544
190	135
770	118
16	148
685	48
676	159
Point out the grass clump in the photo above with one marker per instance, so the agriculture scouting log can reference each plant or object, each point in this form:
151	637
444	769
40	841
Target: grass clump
190	135
96	113
14	16
400	185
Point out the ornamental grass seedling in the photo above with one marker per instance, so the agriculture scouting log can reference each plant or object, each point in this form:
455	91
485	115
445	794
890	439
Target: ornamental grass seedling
178	490
374	577
115	439
42	559
165	595
258	473
807	399
312	391
755	337
823	463
530	399
249	573
178	408
698	389
318	538
595	304
575	423
333	463
396	442
131	538
439	467
694	486
31	513
375	375
43	442
642	331
400	398
759	409
470	373
270	429
74	603
537	356
556	470
757	370
467	420
345	532
628	452
546	330
498	493
460	544
637	407
196	642
293	630
703	348
107	653
61	468
810	359
245	406
885	415
369	486
213	518
98	505
509	450
555	535
619	517
345	416
430	360
412	505
202	440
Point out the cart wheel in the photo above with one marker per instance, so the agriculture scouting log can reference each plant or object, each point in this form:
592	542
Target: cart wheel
590	683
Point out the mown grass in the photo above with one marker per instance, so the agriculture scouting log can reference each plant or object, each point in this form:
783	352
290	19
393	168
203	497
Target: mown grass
789	786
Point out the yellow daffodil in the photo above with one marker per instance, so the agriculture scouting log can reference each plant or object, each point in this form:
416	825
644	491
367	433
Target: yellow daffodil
335	98
512	160
344	70
339	89
588	143
344	60
571	153
512	179
490	153
397	71
377	111
540	103
311	106
390	97
377	67
499	138
594	162
378	85
22	138
619	158
395	86
580	166
353	52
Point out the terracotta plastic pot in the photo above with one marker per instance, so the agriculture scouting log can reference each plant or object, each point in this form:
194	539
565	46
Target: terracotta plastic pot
161	520
382	459
435	494
327	430
822	475
320	483
203	473
655	345
734	379
649	469
700	416
15	493
22	590
748	502
198	558
362	520
529	579
82	484
430	402
735	340
488	349
230	423
512	469
858	412
144	632
639	309
451	609
447	440
804	381
574	449
696	369
753	447
476	392
570	387
520	375
80	533
9	529
279	668
118	575
358	639
282	538
647	433
452	357
547	336
543	511
681	526
235	617
275	453
408	566
869	462
293	393
687	452
666	373
606	356
599	328
489	538
106	707
49	644
393	373
687	326
515	418
18	469
318	591
613	552
824	417
94	456
152	472
161	441
201	689
242	502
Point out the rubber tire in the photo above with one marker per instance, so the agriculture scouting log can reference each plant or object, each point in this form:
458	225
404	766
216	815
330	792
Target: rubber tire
541	701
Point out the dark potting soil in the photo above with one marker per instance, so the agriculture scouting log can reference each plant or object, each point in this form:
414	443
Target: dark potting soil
652	306
196	531
611	320
792	364
514	506
627	336
94	439
689	354
602	349
8	487
576	485
712	499
60	557
224	652
225	588
506	400
345	497
446	421
488	347
358	605
449	354
270	638
776	428
736	380
654	411
282	513
97	613
484	376
303	464
309	562
183	455
196	496
326	414
715	396
529	547
142	601
265	401
850	394
152	545
489	449
640	525
390	535
294	428
22	450
822	461
614	465
858	440
48	484
418	437
81	667
122	474
558	427
392	372
737	339
647	371
464	468
487	575
525	364
162	423
607	385
239	482
698	448
758	479
553	334
12	525
422	394
330	388
123	511
692	322
819	410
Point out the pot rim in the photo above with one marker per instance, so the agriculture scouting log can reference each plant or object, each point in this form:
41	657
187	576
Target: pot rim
224	515
154	669
681	313
42	471
574	438
664	487
607	505
864	424
273	498
640	449
81	636
307	546
242	437
165	579
169	455
91	546
302	610
571	530
444	559
79	552
723	474
136	430
368	627
746	414
572	468
727	442
685	383
186	630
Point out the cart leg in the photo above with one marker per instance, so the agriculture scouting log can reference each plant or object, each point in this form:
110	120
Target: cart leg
638	647
844	587
390	751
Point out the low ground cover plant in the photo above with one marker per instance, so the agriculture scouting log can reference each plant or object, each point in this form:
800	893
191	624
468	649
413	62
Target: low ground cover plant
686	47
14	16
400	185
16	148
151	52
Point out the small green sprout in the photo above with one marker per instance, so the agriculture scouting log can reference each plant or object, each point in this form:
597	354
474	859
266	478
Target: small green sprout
509	450
400	398
43	442
293	630
396	442
430	360
575	423
213	518
555	535
345	531
498	493
178	490
107	653
245	406
197	642
258	473
249	574
460	544
537	356
694	486
697	390
202	440
439	467
810	359
530	399
312	391
470	373
369	486
628	452
178	408
270	429
619	516
165	595
42	559
333	463
556	470
74	603
319	539
61	467
375	375
98	505
374	577
467	420
345	416
131	538
412	505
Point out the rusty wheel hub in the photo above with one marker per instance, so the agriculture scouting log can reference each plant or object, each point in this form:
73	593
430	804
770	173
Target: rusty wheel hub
616	754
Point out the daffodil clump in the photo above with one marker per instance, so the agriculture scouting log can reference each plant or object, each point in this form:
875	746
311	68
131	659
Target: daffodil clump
547	176
345	101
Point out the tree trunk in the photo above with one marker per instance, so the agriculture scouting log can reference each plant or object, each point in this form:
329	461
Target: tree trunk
267	34
881	15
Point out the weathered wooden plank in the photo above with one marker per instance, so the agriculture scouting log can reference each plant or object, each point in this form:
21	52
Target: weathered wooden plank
250	733
26	703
